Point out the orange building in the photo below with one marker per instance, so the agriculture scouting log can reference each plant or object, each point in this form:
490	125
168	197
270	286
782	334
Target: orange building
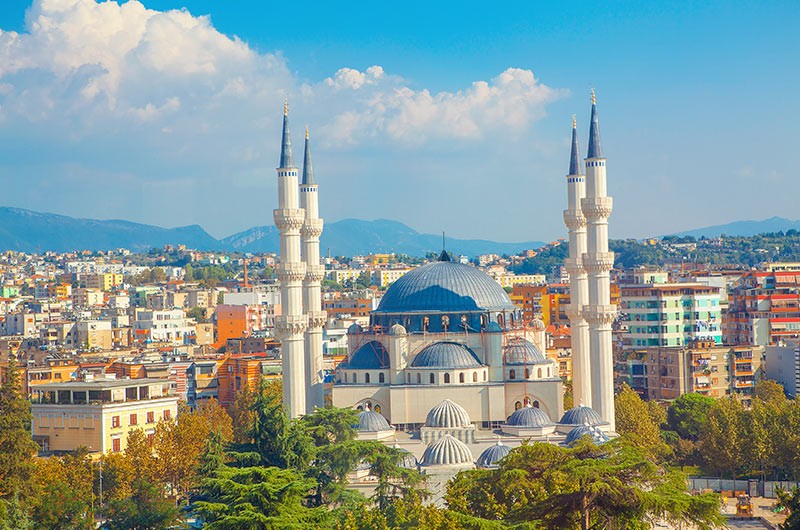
236	321
239	371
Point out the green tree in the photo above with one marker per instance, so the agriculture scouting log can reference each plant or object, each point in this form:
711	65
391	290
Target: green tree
769	391
145	509
393	481
634	421
17	448
198	314
64	496
789	500
721	437
687	414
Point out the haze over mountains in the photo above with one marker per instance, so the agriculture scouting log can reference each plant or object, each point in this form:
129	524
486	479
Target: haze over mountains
29	231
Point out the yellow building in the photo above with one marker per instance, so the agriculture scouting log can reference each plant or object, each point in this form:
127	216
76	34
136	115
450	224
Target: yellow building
104	281
99	414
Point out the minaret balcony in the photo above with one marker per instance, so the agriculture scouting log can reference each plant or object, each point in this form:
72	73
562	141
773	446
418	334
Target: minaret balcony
315	273
289	218
598	262
600	314
287	325
291	272
317	319
597	208
574	266
312	228
574	219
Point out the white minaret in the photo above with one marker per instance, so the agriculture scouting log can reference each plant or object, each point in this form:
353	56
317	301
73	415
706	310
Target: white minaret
312	293
291	272
598	261
578	283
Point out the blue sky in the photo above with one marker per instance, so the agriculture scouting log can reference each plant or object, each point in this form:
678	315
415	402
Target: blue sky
158	116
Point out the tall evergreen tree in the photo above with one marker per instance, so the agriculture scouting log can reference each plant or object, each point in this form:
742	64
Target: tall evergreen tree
17	448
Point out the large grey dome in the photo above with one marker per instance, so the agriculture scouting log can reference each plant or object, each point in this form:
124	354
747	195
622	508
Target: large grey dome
446	451
597	436
369	356
529	417
581	415
493	454
444	286
370	421
447	414
522	351
444	355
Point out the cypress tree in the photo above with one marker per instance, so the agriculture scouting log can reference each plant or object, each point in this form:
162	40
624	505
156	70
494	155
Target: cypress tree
17	447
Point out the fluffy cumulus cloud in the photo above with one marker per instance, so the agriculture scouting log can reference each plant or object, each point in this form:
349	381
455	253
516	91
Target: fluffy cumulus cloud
110	89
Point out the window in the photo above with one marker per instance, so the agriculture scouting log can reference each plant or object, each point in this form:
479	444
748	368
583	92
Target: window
512	374
151	417
446	378
419	378
151	438
366	378
381	378
115	421
432	379
134	419
345	377
355	377
527	373
116	445
535	404
517	405
167	414
539	373
461	377
474	377
484	375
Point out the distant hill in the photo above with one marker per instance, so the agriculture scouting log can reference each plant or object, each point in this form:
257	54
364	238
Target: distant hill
353	236
28	231
744	228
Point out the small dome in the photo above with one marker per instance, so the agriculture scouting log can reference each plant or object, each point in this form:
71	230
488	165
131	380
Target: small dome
447	414
598	437
581	415
369	356
407	459
537	324
355	328
446	355
522	351
397	329
493	327
446	451
370	421
493	454
529	417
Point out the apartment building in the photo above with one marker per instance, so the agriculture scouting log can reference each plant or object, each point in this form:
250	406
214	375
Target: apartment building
764	308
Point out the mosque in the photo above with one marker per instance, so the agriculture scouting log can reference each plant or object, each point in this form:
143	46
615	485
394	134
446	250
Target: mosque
447	368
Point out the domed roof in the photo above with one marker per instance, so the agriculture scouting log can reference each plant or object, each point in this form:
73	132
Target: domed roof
598	436
444	286
397	329
355	328
369	356
407	459
370	421
493	454
447	414
442	355
446	451
529	417
581	415
522	351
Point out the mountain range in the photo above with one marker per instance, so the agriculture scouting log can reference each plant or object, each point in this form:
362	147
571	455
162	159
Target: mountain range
743	228
29	231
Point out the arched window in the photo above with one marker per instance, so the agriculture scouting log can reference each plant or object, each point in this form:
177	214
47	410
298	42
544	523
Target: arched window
425	322
483	321
432	379
512	374
355	377
419	378
527	374
501	320
548	372
535	404
345	377
464	321
378	409
445	322
381	379
366	378
360	408
539	373
517	405
485	375
461	377
446	378
474	377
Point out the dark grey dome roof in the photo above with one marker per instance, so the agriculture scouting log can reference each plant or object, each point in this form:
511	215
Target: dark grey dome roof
447	414
522	351
581	415
446	451
355	328
493	454
444	355
580	431
369	356
529	417
370	421
444	286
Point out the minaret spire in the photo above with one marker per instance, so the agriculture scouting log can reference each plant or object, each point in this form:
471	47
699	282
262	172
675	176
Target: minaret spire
595	149
287	160
308	169
575	155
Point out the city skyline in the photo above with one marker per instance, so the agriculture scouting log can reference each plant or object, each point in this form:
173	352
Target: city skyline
404	109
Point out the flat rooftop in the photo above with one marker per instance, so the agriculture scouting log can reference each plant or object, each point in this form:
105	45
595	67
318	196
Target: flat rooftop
101	384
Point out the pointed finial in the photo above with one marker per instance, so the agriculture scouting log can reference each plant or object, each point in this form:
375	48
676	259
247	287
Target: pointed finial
574	122
594	98
306	132
285	107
